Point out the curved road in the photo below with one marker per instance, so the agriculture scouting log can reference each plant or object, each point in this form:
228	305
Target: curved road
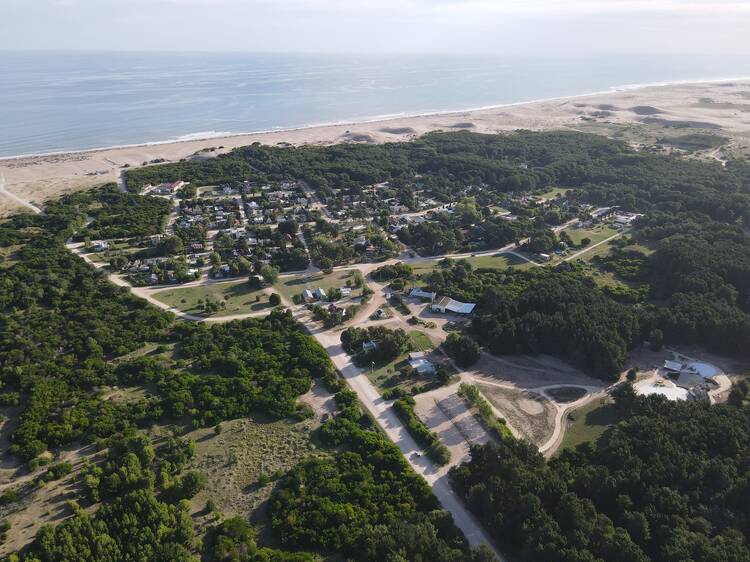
379	408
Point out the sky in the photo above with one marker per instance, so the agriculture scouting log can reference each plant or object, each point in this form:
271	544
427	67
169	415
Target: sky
492	27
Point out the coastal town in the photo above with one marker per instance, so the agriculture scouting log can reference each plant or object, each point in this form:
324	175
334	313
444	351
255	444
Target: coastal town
297	337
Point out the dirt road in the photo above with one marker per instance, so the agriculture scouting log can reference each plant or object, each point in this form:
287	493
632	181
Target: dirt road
5	193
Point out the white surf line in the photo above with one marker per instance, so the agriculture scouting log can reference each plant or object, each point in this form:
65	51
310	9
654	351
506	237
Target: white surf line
16	198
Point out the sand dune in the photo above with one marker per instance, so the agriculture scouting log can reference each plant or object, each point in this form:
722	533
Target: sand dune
723	108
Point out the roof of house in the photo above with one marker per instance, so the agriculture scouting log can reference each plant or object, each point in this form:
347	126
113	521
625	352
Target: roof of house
414	355
451	305
421	365
672	366
419	293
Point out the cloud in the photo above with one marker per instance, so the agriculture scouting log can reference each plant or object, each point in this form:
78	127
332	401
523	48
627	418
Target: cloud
462	26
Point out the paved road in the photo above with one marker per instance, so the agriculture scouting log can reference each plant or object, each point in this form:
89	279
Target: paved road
379	408
394	428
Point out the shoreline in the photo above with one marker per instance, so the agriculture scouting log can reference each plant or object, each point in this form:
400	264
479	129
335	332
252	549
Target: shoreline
639	114
201	136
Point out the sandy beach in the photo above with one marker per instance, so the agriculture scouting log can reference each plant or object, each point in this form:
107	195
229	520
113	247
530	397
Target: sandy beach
639	116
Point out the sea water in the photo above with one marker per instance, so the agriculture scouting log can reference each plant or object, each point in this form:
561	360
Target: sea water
81	100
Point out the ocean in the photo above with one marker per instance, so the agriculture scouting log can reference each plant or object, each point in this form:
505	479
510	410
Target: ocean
53	102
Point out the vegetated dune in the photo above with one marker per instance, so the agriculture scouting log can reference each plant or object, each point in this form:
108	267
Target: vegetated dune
680	124
398	130
645	110
358	137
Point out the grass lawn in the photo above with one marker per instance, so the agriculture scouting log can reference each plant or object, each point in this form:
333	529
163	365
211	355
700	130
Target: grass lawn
554	192
489	261
421	341
596	233
589	422
498	261
290	286
237	295
422	267
646	250
167	352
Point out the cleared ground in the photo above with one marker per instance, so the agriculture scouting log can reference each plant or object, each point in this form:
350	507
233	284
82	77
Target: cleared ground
238	296
530	414
448	415
528	372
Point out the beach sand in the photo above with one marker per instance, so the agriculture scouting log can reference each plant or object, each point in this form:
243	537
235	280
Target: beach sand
639	116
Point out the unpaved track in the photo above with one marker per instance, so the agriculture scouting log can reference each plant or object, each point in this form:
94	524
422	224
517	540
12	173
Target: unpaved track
380	409
5	193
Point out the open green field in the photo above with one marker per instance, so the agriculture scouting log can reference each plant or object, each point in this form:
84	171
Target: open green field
498	261
237	295
241	463
554	192
115	249
290	286
596	233
489	261
589	422
420	341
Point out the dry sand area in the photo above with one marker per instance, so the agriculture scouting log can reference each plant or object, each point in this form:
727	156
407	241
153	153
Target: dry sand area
449	415
720	108
530	414
533	394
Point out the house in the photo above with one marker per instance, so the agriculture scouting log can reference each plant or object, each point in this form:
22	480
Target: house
346	291
673	366
169	188
368	346
319	293
416	355
447	304
625	219
603	212
418	293
308	296
100	246
422	366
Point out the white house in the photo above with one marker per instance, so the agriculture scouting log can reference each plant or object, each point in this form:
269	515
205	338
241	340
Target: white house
418	293
307	295
346	291
319	293
368	346
447	304
422	366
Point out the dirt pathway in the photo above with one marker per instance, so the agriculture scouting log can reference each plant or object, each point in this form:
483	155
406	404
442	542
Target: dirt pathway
5	193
